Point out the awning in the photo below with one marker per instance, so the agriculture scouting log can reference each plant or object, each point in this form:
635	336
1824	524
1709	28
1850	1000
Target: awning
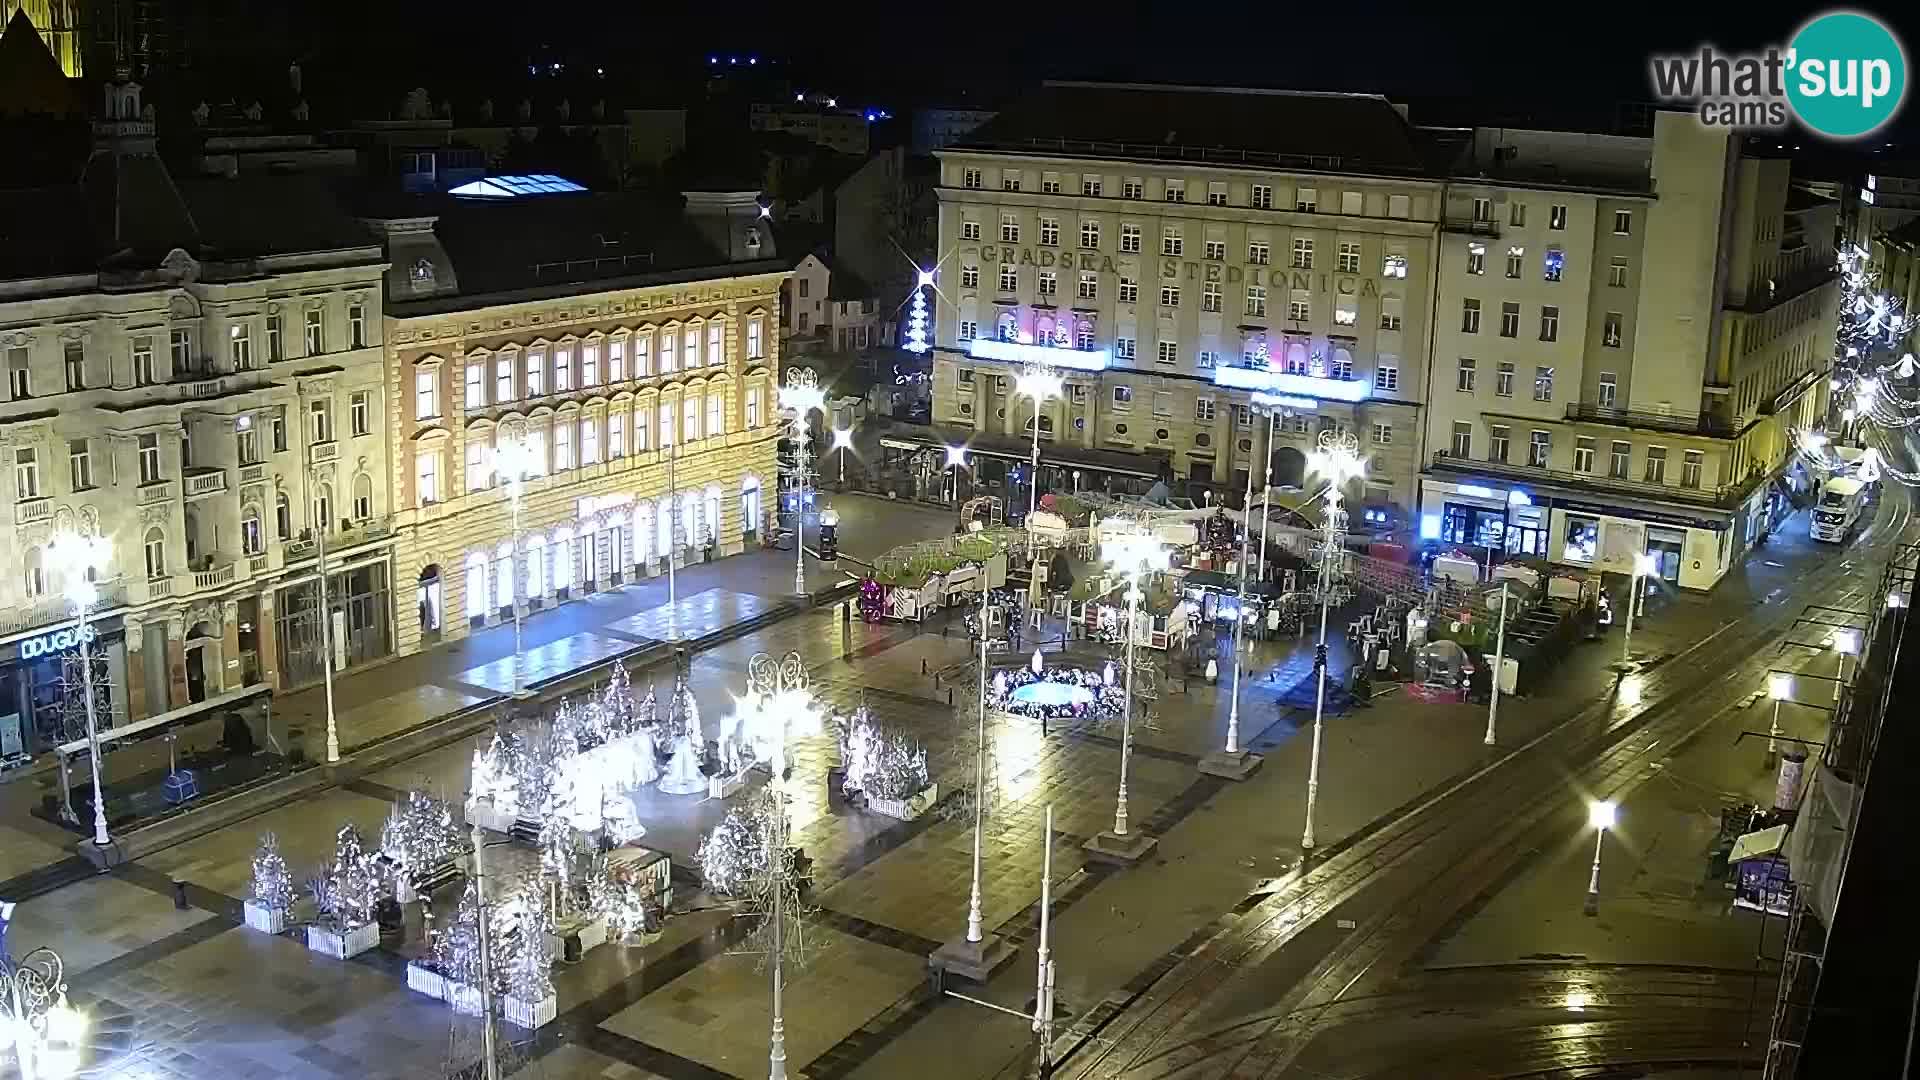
185	714
1758	845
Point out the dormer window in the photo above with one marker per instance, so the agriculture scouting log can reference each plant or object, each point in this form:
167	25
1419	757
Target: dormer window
421	273
753	239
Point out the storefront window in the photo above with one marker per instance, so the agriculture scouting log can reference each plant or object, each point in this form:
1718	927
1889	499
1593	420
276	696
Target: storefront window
1582	540
1465	524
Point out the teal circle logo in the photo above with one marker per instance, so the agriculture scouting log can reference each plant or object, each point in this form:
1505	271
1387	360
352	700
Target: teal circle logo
1847	74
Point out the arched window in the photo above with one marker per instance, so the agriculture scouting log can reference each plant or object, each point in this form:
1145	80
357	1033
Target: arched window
750	504
562	550
156	551
476	584
1296	358
362	497
1008	327
535	553
713	515
503	576
282	517
322	505
253	538
35	573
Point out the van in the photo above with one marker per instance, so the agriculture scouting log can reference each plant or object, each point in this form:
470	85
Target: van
1838	510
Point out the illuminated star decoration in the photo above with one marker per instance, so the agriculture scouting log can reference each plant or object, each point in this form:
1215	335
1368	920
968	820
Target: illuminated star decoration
917	316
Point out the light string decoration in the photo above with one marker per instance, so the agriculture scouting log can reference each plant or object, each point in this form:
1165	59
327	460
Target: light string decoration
1871	335
420	834
880	762
919	321
46	1032
272	884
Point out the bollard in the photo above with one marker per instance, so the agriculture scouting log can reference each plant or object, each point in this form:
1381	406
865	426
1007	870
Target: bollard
180	895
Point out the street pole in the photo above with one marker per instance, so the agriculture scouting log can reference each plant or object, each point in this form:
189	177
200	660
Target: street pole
1773	734
100	837
1593	879
975	933
519	571
800	508
1499	665
1043	991
673	534
1126	715
326	643
492	1065
1266	491
1240	618
777	1039
1320	686
1633	598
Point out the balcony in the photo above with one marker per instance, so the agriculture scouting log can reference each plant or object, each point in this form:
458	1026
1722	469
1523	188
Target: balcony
353	535
203	482
1276	381
1723	496
215	576
253	474
320	452
1706	425
158	491
13	620
33	511
1470	226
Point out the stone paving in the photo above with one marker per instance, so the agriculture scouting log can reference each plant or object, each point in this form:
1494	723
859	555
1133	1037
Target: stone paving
211	999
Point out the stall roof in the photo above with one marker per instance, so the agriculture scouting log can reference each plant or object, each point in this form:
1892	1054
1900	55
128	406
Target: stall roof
1758	845
1148	465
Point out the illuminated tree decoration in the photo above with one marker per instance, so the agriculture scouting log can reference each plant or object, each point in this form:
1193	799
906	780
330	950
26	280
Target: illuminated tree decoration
272	880
917	317
353	884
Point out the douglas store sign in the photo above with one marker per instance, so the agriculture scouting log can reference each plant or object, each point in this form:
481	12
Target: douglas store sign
57	641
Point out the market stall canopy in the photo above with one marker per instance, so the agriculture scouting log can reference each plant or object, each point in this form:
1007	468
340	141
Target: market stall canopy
1227	583
1758	845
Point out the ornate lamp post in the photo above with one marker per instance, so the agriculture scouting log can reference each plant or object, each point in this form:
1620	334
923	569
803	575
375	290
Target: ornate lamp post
1338	460
1275	407
513	460
1038	382
1235	762
1643	566
79	559
800	396
1601	815
1499	664
843	442
1136	555
778	706
45	1030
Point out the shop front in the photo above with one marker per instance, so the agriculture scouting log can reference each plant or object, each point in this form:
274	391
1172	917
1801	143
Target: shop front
360	600
40	685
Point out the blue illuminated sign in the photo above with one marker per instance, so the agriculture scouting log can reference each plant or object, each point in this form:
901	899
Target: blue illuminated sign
55	642
1245	378
1016	352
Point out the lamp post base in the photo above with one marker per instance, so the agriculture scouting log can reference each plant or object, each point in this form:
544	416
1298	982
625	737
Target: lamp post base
1592	906
1116	850
972	960
1237	765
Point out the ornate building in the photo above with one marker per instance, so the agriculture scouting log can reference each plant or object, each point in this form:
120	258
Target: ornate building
626	346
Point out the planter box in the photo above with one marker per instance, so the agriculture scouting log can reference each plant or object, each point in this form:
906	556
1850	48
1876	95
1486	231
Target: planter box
343	944
532	1015
484	815
725	787
464	999
267	920
908	808
590	933
403	890
425	980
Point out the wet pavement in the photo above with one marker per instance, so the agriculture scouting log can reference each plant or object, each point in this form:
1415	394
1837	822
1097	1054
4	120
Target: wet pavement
213	999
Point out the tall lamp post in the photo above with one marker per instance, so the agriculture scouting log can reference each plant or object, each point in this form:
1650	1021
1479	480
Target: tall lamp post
956	459
513	461
45	1031
800	396
79	559
1338	460
1136	555
1038	382
1601	815
843	442
1845	643
1234	763
1643	566
778	706
1499	665
321	430
1275	407
1779	688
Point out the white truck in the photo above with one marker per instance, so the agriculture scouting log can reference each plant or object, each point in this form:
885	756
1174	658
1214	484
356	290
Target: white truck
1838	510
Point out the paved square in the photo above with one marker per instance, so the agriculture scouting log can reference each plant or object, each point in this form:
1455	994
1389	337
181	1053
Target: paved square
95	921
719	1013
555	658
694	616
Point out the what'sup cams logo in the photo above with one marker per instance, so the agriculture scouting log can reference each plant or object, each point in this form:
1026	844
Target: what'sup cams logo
1843	76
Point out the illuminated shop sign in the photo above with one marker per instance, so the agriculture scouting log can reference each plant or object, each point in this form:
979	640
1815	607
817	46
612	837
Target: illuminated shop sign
56	641
1016	352
1281	382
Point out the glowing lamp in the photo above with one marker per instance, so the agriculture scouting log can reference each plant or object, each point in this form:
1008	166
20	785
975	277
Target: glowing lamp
1846	642
1036	662
1645	565
956	456
1780	686
843	438
1602	815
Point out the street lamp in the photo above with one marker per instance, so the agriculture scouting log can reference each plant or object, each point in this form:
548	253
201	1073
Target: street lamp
1499	665
1136	555
1040	383
843	442
45	1030
1601	815
1338	460
1275	407
956	459
79	559
1779	688
514	459
1643	566
777	707
800	396
1234	763
1845	643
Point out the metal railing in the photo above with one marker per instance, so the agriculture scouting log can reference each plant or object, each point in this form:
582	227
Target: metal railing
1706	424
1470	225
208	482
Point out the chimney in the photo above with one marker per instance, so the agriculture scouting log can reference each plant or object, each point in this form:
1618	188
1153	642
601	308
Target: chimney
734	222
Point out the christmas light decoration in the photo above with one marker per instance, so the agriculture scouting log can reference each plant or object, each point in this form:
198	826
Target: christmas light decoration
879	761
420	834
353	884
917	317
272	880
733	857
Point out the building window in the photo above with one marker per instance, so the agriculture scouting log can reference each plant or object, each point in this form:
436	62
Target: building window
282	517
562	445
253	539
1390	310
643	422
26	474
1619	460
1476	258
426	394
1123	398
666	425
1089	234
1206	359
1009	181
590	361
426	477
1089	286
1169	352
1383	434
1049	184
1549	323
970	179
503	380
1610	330
970	276
1306	200
1353	203
155	548
1617	272
1090	186
357	325
360	412
1509	320
19	374
278	423
1555	262
1483	209
755	339
1464	377
316	332
590	440
1162	405
1257	300
1462	439
1125	347
1049	232
143	367
1345	311
616	361
1299	306
321	416
1009	229
1608	389
1169	296
1302	253
1210	296
149	452
1049	283
563	362
1517	214
1176	191
276	335
1171	242
1557	217
535	375
1133	188
1622	222
1543	384
1469	316
1691	463
969	328
617	435
80	464
1009	278
1129	291
479	477
1393	265
969	230
1129	239
1516	256
1260	197
474	377
1214	251
1216	193
1583	454
1386	376
1503	380
1498	437
1203	410
1259	253
180	348
239	348
1540	449
1656	464
1349	258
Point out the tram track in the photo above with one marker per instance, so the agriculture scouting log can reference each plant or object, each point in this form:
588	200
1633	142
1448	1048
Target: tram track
1399	884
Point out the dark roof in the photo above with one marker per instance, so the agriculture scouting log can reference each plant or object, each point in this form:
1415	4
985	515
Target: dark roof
1799	198
1335	132
1906	235
42	233
844	284
30	78
249	215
